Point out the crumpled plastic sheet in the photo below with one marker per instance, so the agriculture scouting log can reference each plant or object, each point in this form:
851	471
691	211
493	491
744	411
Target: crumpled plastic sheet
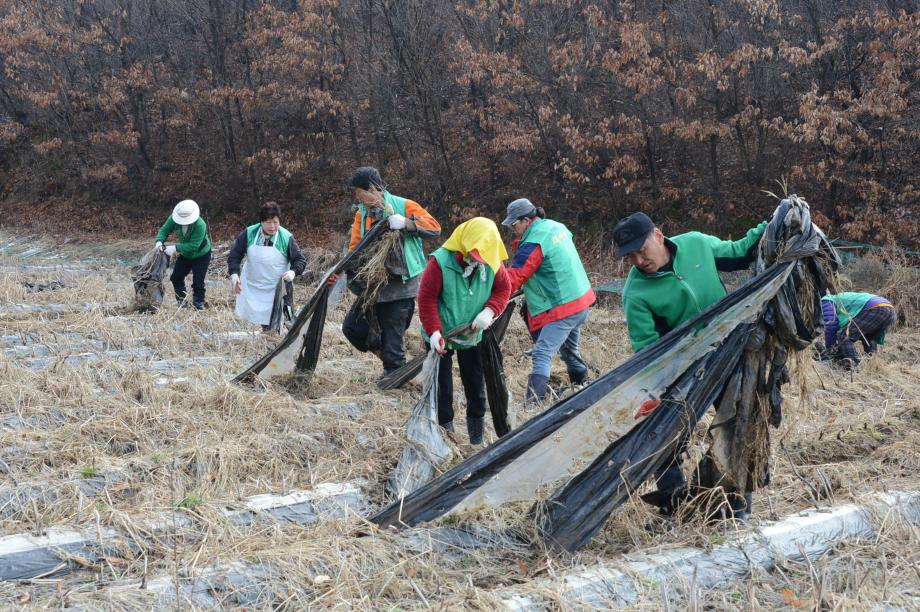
534	455
148	280
574	514
283	358
426	452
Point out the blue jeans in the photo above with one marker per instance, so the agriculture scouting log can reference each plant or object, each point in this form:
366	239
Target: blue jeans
560	336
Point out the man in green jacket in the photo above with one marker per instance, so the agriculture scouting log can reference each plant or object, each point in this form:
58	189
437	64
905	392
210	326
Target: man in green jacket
671	281
193	247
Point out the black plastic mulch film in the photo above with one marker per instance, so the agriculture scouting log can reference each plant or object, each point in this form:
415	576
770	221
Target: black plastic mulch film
317	303
575	512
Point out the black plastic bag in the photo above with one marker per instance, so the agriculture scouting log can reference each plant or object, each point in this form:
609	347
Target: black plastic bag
320	294
494	371
313	339
282	306
148	280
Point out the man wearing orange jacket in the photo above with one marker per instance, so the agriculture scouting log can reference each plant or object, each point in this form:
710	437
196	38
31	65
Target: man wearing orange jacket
395	304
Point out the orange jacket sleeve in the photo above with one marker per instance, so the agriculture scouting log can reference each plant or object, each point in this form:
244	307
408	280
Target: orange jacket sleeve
425	225
355	231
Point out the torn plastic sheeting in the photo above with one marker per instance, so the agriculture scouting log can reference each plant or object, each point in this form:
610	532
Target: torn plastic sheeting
37	363
810	532
536	454
425	452
281	305
313	339
239	584
494	372
282	359
327	500
21	309
461	540
23	557
127	357
576	429
574	514
410	370
30	496
44	350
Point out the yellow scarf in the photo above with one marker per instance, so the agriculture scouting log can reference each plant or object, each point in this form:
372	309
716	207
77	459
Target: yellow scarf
481	235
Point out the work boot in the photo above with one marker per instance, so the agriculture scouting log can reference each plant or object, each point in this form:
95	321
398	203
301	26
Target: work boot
667	502
741	506
536	388
578	378
475	428
448	427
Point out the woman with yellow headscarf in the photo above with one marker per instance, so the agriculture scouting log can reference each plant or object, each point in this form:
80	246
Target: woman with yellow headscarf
464	283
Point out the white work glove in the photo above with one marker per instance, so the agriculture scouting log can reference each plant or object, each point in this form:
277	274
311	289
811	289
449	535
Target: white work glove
397	222
158	245
235	286
288	276
170	250
484	319
437	342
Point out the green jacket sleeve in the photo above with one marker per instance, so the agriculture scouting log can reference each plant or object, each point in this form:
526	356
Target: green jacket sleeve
733	255
166	230
640	323
188	246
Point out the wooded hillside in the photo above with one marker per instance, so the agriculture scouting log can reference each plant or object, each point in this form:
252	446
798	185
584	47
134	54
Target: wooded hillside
688	109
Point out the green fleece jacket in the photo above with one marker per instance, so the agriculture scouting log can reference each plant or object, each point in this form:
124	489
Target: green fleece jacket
193	243
657	303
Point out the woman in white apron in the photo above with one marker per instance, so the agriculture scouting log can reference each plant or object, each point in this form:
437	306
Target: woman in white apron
271	254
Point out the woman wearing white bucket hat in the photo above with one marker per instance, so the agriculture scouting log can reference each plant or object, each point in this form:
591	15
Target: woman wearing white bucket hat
193	247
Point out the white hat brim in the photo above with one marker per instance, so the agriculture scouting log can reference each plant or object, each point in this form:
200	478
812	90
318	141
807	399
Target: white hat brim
186	220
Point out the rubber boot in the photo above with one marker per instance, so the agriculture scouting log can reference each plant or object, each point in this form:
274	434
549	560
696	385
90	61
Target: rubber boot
475	428
536	388
578	378
741	506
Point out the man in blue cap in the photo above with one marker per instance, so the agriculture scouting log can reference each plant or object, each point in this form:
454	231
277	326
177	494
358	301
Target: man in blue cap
671	281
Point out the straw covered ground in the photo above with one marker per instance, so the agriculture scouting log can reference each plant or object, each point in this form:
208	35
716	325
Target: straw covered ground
113	441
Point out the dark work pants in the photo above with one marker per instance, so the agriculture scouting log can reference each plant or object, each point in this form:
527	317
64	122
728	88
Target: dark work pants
198	267
393	319
670	477
474	384
866	327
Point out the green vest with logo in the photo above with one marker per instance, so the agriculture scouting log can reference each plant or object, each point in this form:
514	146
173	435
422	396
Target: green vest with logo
281	239
412	244
461	298
561	278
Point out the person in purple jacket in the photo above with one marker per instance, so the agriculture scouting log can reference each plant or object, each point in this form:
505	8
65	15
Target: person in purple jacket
854	317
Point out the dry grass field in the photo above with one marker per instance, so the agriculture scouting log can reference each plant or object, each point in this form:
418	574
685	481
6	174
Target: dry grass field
125	427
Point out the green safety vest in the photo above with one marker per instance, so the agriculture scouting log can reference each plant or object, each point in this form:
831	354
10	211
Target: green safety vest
461	298
412	244
561	278
849	304
281	238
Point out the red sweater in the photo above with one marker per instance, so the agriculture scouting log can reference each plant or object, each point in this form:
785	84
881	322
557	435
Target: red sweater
432	283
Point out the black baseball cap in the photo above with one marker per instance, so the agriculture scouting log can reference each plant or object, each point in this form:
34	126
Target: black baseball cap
630	233
366	176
